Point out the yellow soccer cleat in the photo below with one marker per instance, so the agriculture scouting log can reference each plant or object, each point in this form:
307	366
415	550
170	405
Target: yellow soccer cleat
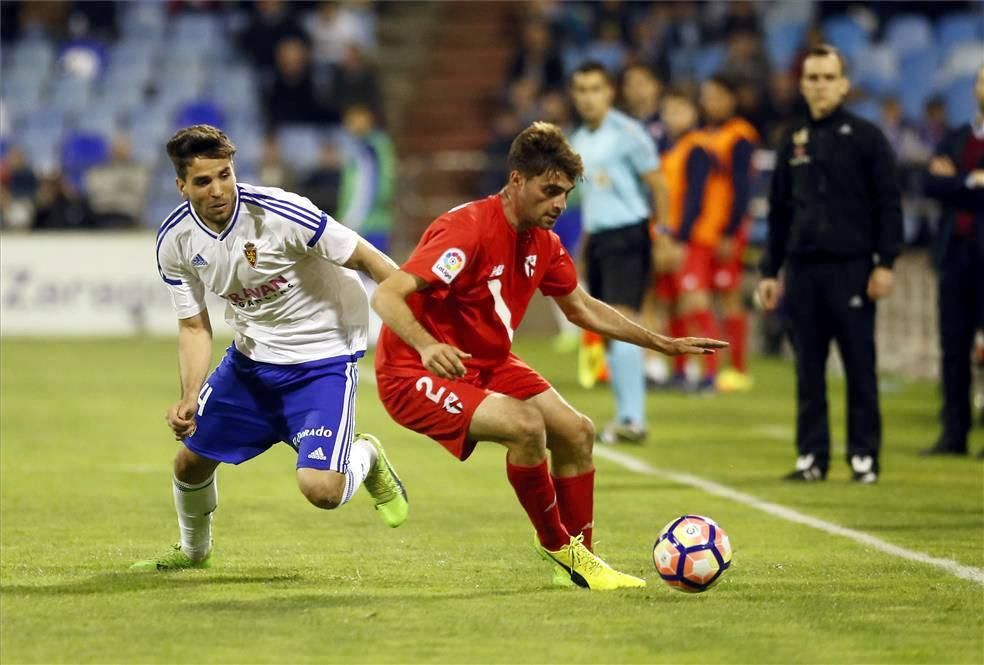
591	364
582	568
732	381
385	487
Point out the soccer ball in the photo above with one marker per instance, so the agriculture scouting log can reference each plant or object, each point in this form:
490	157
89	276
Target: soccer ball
692	553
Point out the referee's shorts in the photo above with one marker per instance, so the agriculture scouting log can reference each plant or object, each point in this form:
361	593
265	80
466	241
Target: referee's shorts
619	263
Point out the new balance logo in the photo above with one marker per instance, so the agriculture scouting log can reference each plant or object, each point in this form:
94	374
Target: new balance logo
199	261
318	454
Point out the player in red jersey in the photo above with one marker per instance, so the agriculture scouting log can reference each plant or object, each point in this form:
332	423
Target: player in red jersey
444	366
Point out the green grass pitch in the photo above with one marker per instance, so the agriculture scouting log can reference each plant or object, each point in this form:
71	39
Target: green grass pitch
85	490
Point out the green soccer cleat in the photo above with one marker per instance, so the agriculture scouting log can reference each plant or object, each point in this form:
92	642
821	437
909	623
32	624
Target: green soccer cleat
584	569
173	559
385	486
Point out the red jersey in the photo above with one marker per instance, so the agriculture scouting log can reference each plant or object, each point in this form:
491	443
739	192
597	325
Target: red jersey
481	275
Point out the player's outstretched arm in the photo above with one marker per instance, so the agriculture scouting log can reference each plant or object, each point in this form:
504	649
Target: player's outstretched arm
369	260
390	302
194	358
591	314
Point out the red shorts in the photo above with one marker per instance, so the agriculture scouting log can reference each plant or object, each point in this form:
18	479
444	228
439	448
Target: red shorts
726	275
443	408
694	275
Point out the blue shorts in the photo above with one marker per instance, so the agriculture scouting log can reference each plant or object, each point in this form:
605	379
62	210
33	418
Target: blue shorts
246	406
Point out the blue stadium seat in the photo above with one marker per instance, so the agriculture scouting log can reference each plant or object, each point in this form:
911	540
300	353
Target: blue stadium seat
41	148
918	69
100	117
143	20
960	102
151	126
963	60
300	145
199	112
71	94
782	42
708	61
80	152
877	71
46	119
846	34
159	207
202	28
36	55
867	109
907	32
952	30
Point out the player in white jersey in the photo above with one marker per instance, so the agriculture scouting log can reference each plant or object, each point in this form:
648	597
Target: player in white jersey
300	316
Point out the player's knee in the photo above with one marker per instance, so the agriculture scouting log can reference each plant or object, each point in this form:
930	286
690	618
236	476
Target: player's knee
192	468
585	436
529	429
323	489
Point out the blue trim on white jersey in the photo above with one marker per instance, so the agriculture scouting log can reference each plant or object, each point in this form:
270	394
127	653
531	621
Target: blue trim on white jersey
231	222
272	206
321	229
172	221
300	210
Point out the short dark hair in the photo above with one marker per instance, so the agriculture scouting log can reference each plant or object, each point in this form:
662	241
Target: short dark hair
678	92
542	148
726	81
823	50
593	66
198	141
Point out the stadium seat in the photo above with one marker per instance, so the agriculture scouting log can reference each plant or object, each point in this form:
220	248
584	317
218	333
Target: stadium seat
867	109
918	70
953	30
907	32
963	60
101	117
71	94
847	35
708	61
960	102
300	145
35	55
782	42
41	148
877	70
199	112
81	151
143	20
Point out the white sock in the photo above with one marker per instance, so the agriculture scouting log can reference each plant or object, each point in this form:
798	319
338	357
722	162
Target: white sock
195	504
361	459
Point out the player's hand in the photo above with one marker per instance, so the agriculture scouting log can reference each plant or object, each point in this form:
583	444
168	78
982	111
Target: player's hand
181	419
444	360
767	294
942	167
701	346
880	283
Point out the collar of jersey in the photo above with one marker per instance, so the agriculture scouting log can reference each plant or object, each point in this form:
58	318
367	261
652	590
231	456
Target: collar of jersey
227	229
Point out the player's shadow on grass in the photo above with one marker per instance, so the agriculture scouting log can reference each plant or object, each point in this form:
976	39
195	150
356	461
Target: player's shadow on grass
126	581
353	596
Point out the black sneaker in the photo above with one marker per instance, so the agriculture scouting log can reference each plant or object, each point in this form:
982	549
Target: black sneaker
806	471
940	449
863	470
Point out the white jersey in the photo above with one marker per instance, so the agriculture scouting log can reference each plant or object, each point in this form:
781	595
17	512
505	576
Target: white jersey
278	265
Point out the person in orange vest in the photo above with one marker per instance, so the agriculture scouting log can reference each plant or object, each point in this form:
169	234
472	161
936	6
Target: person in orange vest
682	290
731	140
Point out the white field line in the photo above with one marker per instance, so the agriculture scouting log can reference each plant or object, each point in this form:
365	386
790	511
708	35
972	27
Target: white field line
638	466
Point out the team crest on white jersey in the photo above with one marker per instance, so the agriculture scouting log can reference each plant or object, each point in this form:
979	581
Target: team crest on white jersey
249	249
530	265
449	265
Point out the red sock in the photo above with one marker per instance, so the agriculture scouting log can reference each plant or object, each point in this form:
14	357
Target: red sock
538	497
575	498
678	328
705	325
736	330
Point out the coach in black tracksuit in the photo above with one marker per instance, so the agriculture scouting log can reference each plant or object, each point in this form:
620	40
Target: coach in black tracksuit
835	224
956	178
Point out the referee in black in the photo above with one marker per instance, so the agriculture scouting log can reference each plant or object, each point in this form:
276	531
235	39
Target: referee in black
835	225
